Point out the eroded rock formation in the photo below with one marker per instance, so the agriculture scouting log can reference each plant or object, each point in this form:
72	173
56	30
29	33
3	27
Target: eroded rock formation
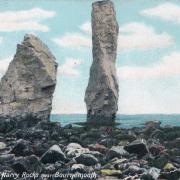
28	85
102	92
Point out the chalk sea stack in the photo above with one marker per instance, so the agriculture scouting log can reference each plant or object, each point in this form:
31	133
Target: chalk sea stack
28	85
101	95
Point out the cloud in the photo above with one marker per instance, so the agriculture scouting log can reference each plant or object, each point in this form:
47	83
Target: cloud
132	36
169	66
167	12
4	63
139	36
76	40
73	40
24	20
69	67
86	27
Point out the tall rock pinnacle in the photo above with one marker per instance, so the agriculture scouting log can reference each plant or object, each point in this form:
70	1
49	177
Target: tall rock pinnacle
101	95
27	87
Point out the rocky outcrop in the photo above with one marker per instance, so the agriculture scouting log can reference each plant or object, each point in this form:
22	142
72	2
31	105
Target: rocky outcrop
28	85
26	151
102	92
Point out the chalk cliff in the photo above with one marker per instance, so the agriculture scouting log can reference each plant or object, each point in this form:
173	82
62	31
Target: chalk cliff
101	95
27	87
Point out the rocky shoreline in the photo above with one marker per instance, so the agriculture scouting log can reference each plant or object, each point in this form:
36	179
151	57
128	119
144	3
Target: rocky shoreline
45	150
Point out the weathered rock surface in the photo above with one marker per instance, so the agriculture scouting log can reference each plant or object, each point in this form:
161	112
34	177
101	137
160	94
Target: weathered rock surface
138	146
22	148
86	159
28	85
53	155
27	164
102	92
116	151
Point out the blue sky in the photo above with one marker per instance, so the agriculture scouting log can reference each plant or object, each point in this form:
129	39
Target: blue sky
148	60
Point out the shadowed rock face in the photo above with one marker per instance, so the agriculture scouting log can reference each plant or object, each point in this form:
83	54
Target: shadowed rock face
102	92
28	85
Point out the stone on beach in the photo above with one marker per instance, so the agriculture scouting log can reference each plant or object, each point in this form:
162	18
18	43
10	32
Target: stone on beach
27	164
117	151
2	145
74	149
109	172
66	157
53	155
22	148
138	146
87	159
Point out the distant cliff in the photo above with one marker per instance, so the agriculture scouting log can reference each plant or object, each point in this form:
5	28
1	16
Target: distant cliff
101	95
28	85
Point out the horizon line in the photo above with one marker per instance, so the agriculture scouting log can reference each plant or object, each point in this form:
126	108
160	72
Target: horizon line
119	114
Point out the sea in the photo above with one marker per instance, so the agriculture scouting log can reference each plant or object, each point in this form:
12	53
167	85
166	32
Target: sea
126	121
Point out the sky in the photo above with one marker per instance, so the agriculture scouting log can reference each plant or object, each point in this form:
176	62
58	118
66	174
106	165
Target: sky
148	53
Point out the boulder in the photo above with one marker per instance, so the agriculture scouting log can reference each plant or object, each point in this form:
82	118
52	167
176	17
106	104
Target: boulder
7	158
49	169
26	90
40	148
87	159
138	146
169	167
107	141
6	124
74	150
73	146
134	169
114	163
78	168
53	155
22	148
28	164
152	174
97	147
2	145
81	168
172	175
117	151
157	149
101	95
110	172
159	162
